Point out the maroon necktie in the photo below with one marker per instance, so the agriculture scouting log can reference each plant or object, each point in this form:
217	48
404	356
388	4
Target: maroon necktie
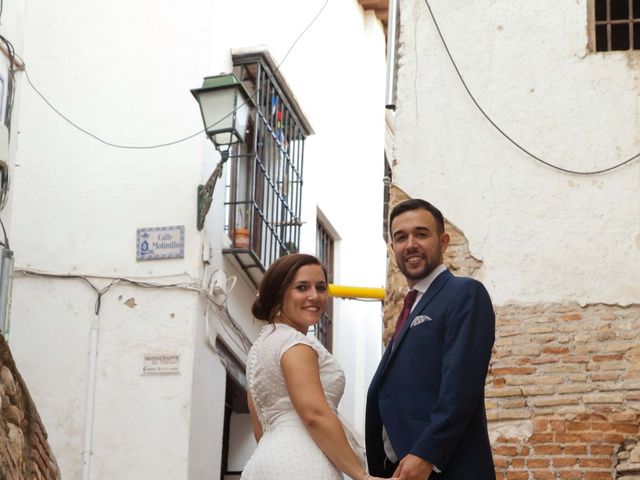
406	309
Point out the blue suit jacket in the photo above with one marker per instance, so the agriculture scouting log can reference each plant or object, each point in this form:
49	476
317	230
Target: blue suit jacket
428	390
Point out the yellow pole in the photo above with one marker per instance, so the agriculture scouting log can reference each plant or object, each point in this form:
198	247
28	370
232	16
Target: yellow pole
355	292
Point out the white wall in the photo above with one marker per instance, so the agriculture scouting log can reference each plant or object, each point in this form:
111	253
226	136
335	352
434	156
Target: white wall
123	71
344	165
542	235
142	421
337	73
207	412
51	351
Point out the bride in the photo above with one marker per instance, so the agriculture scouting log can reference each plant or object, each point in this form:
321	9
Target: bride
295	384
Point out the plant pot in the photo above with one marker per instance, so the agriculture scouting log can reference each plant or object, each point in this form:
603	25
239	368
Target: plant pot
240	237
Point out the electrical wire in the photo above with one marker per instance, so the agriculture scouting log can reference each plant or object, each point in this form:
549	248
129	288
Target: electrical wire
6	239
301	34
231	327
505	135
29	273
219	302
4	183
173	142
25	272
11	54
106	142
244	344
11	80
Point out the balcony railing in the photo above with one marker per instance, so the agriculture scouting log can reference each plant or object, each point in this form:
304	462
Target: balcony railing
264	183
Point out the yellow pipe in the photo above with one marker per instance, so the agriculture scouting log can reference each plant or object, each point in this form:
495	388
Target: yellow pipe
355	292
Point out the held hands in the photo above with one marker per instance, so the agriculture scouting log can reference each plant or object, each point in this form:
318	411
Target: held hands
369	477
412	467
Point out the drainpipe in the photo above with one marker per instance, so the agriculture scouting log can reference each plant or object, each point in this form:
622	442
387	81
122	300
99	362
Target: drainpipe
392	39
6	279
90	403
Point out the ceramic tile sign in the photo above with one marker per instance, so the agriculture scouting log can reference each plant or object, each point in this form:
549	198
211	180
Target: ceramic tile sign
159	243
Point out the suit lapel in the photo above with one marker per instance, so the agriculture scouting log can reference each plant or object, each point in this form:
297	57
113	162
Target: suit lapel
429	295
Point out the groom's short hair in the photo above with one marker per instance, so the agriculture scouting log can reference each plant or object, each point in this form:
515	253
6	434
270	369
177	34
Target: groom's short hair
417	204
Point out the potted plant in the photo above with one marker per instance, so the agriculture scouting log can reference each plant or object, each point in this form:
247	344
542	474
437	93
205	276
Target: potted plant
289	247
240	234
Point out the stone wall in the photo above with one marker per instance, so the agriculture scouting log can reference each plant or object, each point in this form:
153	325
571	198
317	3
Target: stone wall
24	451
563	390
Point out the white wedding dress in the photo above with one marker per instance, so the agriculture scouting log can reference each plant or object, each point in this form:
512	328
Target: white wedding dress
286	451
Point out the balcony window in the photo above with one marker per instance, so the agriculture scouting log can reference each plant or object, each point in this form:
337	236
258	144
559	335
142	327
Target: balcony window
264	181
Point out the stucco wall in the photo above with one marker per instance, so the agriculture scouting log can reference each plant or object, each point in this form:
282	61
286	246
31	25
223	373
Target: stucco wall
558	252
541	234
123	72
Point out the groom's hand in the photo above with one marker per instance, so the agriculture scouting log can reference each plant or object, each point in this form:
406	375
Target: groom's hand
412	467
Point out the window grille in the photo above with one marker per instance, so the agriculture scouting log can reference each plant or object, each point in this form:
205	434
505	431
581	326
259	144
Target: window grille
325	251
264	181
616	25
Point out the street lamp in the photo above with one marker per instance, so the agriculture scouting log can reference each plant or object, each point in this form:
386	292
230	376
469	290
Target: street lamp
225	105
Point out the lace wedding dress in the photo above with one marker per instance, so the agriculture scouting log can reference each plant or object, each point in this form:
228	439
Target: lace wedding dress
286	451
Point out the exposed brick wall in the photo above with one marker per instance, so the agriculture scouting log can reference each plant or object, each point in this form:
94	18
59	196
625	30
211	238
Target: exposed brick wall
24	451
563	390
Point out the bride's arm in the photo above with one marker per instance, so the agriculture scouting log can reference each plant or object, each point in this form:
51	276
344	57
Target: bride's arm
302	375
255	421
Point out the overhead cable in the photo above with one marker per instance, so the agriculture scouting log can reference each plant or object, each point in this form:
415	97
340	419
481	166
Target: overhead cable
505	135
172	142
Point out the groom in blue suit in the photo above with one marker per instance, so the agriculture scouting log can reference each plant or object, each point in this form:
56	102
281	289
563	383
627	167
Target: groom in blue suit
425	406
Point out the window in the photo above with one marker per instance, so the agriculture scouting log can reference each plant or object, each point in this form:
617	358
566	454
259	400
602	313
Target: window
325	252
264	181
616	25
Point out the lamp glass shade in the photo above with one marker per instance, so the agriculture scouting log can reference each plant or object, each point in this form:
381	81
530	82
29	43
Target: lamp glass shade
242	116
224	105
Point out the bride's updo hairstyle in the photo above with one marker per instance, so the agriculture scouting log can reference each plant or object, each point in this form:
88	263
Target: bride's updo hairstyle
275	282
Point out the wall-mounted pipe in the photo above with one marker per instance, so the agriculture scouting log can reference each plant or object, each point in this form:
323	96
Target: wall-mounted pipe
343	291
90	401
392	40
6	279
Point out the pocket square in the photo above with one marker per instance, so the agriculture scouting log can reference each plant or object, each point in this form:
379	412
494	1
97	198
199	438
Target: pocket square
420	319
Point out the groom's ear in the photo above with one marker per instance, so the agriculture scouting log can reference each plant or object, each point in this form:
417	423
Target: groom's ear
444	241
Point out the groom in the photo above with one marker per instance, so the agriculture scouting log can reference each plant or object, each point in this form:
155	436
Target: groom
425	405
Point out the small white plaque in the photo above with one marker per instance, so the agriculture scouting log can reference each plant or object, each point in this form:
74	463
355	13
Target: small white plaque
161	363
160	242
